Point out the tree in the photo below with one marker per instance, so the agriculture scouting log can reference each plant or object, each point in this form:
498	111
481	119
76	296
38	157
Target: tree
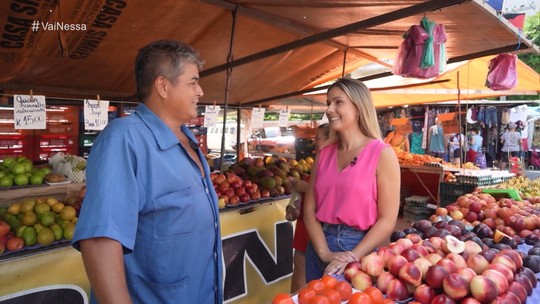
531	29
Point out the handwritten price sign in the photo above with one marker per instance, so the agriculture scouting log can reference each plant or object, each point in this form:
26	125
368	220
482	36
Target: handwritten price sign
29	113
95	114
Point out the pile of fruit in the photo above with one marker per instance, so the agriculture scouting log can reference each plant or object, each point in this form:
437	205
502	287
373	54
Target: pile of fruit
72	166
20	171
517	219
329	290
40	221
444	270
253	179
527	189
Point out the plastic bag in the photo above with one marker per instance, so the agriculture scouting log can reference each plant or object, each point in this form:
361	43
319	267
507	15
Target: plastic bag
292	211
480	160
502	73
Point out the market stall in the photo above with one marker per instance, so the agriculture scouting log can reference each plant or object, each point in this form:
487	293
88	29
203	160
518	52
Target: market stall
257	255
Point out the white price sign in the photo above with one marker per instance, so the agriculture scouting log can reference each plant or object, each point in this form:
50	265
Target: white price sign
211	114
29	113
257	118
95	114
284	117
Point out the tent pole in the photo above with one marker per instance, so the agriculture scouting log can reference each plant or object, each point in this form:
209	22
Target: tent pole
227	86
459	121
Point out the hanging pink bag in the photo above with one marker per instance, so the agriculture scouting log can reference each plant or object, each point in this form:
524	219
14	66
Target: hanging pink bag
502	74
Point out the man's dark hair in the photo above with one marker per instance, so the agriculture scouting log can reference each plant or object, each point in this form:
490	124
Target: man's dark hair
162	58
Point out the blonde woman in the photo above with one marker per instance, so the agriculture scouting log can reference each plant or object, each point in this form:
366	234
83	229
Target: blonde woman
352	200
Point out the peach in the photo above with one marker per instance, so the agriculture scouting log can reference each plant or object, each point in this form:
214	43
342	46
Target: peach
498	278
406	243
350	269
478	263
372	264
467	273
455	286
397	290
448	265
383	280
361	280
436	241
385	253
507	298
395	263
483	289
435	276
519	291
443	299
424	294
411	274
421	249
410	254
457	259
433	258
423	264
506	260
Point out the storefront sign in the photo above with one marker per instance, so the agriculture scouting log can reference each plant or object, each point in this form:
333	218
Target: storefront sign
29	112
211	114
284	117
257	118
95	114
449	123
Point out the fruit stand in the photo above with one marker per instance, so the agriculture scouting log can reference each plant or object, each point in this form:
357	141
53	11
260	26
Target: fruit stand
257	254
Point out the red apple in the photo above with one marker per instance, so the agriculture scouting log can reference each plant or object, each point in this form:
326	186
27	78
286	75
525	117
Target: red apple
243	197
234	200
255	196
4	228
264	193
250	190
238	191
229	192
223	187
246	183
225	198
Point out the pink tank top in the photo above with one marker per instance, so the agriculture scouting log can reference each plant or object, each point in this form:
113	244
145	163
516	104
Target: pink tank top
348	197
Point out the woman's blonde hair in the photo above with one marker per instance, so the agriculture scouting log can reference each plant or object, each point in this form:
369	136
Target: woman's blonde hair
360	96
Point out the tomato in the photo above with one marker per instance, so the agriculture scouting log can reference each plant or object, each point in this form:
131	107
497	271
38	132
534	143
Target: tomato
333	296
305	294
282	298
344	289
375	294
319	299
329	281
388	301
317	285
15	243
360	298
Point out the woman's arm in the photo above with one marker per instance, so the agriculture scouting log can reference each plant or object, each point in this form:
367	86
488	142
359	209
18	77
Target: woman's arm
388	189
313	226
407	144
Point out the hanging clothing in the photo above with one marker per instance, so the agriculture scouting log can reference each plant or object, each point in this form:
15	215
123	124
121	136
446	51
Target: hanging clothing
436	139
416	143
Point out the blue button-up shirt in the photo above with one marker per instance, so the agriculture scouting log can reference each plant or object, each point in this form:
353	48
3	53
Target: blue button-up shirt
146	192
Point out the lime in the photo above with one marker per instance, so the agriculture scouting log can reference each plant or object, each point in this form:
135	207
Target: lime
28	166
21	158
2	173
36	179
8	160
18	168
6	182
45	236
21	179
45	170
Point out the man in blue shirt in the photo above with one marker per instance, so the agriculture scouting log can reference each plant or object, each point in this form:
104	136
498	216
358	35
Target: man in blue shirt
149	228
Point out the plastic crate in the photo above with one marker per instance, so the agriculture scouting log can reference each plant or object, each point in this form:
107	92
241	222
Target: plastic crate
414	216
502	193
449	192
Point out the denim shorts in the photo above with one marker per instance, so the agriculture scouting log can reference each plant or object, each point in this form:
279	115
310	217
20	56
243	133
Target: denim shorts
491	118
338	238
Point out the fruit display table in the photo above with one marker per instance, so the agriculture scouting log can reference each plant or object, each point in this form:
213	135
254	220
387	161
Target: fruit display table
257	253
57	191
422	180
